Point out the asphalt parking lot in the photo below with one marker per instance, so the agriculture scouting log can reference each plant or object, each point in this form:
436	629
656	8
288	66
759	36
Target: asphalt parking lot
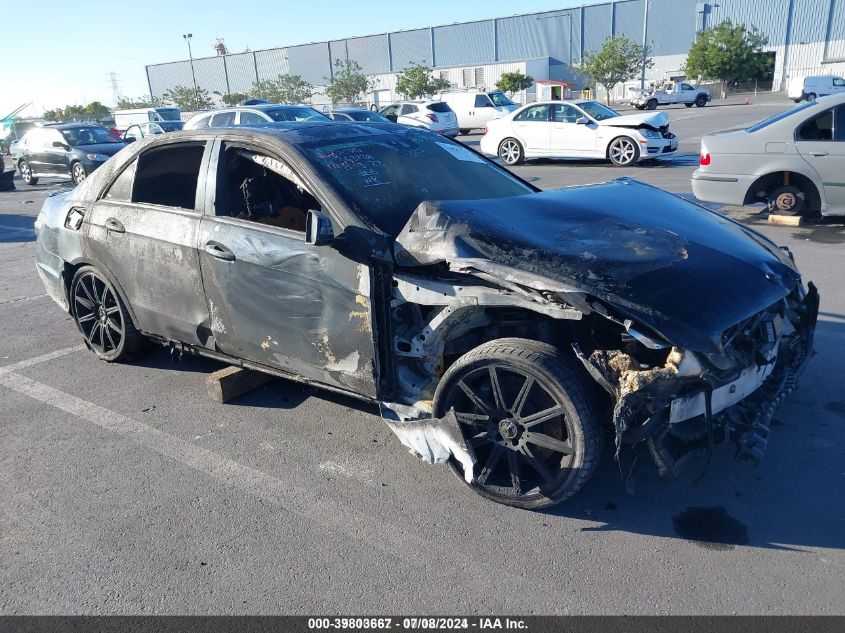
125	490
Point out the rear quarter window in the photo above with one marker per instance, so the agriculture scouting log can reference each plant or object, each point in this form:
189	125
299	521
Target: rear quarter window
440	106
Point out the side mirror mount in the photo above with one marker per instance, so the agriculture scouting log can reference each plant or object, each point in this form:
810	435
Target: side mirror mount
391	117
582	120
318	228
64	146
129	139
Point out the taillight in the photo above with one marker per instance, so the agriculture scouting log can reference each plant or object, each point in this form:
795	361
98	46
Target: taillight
484	131
432	117
704	159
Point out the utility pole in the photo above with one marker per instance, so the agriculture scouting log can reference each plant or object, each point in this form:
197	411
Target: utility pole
193	74
645	42
115	88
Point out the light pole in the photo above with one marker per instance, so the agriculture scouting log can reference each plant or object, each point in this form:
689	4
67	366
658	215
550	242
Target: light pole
187	38
645	42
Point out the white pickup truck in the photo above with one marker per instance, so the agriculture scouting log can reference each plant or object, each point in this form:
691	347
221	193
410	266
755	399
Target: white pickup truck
668	93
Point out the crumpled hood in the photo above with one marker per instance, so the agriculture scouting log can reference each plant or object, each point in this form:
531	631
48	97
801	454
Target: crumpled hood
686	272
654	119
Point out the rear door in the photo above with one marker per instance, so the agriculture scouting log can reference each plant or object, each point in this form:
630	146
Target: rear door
275	299
143	230
821	142
532	126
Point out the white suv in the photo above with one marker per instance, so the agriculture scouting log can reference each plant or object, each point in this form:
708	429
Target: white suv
436	116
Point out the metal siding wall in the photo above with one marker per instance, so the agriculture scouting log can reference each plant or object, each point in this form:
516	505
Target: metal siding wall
671	26
311	61
410	47
272	63
767	15
836	32
371	52
241	69
337	50
629	19
542	35
598	20
210	74
458	44
809	21
163	77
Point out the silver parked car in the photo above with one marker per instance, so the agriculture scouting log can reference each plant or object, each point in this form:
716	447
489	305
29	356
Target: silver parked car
793	161
258	114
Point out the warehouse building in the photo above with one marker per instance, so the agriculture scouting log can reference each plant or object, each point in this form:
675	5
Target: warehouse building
806	37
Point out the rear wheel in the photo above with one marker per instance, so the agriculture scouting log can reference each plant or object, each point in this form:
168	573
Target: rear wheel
511	152
523	409
787	200
78	173
811	96
102	318
26	173
623	151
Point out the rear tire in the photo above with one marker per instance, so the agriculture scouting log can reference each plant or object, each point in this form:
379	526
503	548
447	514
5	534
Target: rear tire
525	409
102	318
811	96
511	152
787	200
26	173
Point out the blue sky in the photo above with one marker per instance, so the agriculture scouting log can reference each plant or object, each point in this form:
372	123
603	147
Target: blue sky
63	53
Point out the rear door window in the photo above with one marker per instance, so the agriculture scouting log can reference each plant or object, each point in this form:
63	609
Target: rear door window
534	113
441	106
223	119
168	176
121	188
819	128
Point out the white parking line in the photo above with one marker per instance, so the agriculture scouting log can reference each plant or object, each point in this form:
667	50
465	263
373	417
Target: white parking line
29	362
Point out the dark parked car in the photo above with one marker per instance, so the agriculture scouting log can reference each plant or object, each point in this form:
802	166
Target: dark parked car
357	114
74	149
501	329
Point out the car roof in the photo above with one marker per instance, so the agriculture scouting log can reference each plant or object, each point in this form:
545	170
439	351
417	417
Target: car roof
70	126
351	110
298	132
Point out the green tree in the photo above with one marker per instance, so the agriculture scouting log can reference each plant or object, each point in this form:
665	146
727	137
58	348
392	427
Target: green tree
74	112
125	103
233	98
290	89
618	60
348	82
96	110
417	81
54	115
727	52
186	98
514	82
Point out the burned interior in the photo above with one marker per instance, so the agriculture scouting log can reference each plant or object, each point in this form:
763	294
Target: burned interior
506	331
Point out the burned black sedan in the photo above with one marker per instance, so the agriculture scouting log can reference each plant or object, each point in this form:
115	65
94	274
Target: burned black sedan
506	331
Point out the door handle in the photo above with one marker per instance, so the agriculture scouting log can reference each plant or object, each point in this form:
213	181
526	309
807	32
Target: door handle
115	226
818	153
216	249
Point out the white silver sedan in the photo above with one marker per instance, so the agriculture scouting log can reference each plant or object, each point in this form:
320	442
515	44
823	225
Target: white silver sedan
578	129
793	161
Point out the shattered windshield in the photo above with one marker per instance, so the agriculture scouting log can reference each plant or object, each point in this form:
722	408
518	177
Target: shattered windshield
384	178
597	110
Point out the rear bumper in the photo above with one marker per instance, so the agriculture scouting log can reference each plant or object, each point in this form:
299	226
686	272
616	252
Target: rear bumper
721	188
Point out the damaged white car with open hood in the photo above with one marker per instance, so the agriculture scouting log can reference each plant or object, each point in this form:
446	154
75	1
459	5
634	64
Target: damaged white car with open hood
507	331
578	129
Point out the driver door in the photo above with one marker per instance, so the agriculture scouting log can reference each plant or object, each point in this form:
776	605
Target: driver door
569	138
275	299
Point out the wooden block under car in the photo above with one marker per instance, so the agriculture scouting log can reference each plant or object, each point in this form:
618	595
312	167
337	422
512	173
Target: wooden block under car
785	220
231	382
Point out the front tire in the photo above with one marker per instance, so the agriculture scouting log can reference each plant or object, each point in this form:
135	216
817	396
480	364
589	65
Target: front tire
651	104
102	317
700	101
78	173
787	200
623	151
524	409
26	173
511	152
